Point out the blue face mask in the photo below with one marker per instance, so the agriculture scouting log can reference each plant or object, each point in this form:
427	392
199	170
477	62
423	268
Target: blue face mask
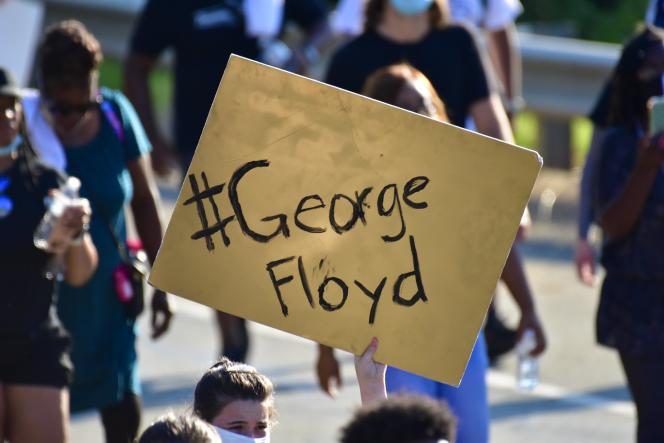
11	147
411	7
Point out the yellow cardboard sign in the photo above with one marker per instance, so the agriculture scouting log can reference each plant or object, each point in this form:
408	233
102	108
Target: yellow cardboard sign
339	218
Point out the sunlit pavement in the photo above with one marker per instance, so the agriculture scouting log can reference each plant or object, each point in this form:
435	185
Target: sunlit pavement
581	398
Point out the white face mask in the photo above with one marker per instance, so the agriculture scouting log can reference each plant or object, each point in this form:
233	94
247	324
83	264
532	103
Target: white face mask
232	437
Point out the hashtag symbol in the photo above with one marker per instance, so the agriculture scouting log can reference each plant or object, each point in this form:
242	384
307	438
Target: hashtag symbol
199	197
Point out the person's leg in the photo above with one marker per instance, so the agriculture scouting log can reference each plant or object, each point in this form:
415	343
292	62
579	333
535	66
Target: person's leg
234	336
37	413
122	420
469	402
644	377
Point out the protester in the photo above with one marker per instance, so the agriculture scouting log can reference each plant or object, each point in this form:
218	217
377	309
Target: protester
406	87
418	32
203	37
35	368
106	148
173	428
584	255
448	56
628	202
237	400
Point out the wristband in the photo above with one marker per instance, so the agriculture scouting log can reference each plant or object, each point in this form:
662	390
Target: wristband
78	239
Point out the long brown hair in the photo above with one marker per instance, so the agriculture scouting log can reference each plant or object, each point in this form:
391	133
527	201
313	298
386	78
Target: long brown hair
385	84
439	14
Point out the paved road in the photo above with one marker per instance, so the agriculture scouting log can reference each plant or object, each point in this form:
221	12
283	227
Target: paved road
582	397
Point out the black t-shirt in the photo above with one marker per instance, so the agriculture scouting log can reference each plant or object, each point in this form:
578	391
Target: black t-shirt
28	291
448	57
203	34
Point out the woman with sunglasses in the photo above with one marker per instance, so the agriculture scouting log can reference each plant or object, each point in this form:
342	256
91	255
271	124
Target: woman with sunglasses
34	368
629	203
106	147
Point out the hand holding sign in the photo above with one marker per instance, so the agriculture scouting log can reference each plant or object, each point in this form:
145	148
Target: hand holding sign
339	218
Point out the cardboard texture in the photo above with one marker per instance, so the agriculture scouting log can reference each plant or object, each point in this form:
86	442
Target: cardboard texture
339	218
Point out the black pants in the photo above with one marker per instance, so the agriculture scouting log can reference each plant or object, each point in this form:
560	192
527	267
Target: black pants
122	420
645	377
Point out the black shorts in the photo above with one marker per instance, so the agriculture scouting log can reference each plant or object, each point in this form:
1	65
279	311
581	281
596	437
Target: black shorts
40	361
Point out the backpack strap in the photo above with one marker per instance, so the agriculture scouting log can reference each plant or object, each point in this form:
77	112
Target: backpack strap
113	119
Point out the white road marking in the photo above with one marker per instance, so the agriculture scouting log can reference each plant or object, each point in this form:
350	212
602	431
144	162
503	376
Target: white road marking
495	379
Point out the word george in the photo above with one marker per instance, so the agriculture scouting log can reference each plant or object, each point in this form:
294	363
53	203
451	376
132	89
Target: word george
388	202
329	281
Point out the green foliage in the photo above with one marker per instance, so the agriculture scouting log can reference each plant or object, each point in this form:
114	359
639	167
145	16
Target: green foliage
603	20
161	82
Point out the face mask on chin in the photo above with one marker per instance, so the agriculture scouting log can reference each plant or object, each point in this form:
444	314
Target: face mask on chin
411	7
232	437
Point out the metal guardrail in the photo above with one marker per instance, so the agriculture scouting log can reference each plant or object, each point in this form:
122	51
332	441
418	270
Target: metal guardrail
561	77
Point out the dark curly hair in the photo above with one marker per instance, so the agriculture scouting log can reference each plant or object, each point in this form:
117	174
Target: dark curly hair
439	14
401	419
67	56
228	381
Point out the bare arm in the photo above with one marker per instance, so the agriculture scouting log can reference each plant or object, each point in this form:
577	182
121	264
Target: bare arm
144	206
137	69
80	257
490	118
370	375
328	371
80	261
515	279
506	59
623	213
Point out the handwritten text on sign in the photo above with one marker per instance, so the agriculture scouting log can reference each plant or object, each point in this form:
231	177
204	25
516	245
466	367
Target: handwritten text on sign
337	218
387	204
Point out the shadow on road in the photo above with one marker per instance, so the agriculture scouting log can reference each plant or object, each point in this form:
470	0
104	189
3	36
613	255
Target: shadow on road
577	401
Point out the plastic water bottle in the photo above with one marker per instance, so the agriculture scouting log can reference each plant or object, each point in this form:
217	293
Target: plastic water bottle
527	370
47	233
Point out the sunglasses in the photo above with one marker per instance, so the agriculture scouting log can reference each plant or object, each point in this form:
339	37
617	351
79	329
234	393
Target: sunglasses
65	110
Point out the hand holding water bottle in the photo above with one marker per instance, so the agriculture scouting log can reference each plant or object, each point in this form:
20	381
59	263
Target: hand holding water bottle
527	371
66	219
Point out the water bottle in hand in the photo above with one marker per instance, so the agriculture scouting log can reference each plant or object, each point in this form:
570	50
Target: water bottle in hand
527	375
49	234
